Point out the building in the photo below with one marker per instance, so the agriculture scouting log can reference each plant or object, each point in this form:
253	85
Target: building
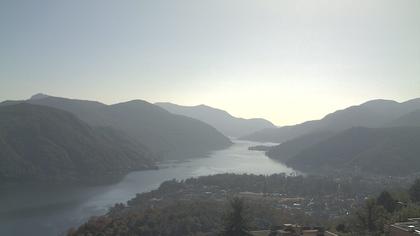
409	228
293	230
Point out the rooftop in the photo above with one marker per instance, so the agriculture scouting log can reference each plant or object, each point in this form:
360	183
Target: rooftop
410	226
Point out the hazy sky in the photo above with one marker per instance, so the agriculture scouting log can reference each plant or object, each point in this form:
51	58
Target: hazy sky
288	61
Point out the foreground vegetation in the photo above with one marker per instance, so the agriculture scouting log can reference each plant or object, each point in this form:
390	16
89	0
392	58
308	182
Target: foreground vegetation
203	206
374	217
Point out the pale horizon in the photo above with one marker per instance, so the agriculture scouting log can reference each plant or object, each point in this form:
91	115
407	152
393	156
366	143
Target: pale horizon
111	102
285	61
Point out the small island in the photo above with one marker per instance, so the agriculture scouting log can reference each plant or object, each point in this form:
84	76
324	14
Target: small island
263	148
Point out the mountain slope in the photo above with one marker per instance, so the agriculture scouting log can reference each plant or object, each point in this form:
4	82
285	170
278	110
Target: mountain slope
410	119
384	151
373	114
169	136
221	120
43	143
287	150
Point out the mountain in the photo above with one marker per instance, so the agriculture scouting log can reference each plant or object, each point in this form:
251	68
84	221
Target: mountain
39	96
168	135
290	148
410	119
221	120
383	151
373	114
44	143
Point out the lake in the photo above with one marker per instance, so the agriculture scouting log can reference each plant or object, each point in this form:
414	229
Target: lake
46	210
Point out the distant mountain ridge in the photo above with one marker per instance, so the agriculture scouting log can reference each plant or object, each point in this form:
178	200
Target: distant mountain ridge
220	119
38	96
410	119
385	151
167	135
373	114
377	137
48	144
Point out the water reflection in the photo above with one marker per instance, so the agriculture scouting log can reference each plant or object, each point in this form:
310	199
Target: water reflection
47	210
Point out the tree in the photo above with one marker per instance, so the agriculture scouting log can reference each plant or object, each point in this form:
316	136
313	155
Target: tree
341	228
370	219
387	201
414	191
236	223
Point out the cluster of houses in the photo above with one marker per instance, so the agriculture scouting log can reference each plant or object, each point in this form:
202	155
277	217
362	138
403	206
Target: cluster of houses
293	230
408	228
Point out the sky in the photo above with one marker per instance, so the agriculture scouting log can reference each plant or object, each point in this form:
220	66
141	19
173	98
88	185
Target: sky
284	60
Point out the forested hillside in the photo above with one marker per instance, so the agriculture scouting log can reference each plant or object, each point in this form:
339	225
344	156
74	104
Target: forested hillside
383	151
43	143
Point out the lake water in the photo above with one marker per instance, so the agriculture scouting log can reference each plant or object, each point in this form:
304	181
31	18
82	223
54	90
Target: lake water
45	210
